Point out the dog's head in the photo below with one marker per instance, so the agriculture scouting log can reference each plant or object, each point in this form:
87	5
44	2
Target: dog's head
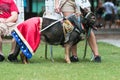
89	20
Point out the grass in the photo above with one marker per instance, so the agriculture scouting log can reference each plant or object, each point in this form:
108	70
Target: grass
44	69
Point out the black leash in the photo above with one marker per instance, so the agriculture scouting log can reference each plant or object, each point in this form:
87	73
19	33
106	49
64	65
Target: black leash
86	42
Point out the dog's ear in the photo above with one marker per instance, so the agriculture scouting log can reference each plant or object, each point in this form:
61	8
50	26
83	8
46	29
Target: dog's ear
84	11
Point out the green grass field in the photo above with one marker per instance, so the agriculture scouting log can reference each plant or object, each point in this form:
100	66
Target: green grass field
40	68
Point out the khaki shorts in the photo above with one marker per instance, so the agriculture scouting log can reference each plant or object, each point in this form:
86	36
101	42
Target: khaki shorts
6	28
69	6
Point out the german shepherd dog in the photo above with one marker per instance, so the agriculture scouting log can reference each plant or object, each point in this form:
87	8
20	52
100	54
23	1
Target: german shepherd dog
65	32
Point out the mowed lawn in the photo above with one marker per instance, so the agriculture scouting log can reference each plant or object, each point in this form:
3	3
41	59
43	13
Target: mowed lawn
40	68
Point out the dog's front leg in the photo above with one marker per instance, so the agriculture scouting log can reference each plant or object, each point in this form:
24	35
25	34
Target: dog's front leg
67	53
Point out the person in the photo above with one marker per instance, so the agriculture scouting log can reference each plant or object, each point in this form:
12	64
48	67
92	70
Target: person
8	13
99	11
118	10
109	12
69	7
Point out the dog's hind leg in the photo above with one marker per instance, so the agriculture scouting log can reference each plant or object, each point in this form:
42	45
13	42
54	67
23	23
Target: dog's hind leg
23	58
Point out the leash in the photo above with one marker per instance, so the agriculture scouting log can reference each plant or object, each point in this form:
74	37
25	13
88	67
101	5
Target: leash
56	22
51	25
87	36
86	42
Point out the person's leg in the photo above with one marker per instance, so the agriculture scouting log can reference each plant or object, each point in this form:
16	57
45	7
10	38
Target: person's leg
13	44
74	57
13	56
1	54
0	45
74	50
94	47
15	49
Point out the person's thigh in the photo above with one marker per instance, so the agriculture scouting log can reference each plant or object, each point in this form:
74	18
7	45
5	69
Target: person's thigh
68	7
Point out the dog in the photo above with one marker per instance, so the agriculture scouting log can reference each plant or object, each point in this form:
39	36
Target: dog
28	36
29	33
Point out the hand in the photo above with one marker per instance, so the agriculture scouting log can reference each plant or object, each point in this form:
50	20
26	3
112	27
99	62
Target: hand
57	9
2	20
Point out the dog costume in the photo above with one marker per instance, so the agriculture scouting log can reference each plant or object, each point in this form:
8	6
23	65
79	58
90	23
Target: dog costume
27	35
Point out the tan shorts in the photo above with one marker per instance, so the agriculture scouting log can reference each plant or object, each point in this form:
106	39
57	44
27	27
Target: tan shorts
69	6
6	28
